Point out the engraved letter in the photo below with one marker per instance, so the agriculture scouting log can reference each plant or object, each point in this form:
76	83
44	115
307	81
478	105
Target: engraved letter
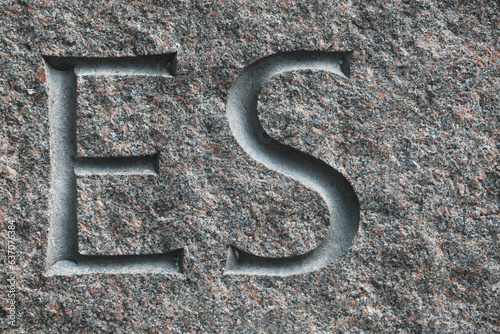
63	257
329	183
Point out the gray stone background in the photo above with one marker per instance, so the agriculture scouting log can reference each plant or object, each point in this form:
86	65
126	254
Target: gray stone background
415	130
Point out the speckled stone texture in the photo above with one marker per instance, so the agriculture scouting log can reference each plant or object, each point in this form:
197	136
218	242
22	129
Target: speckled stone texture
415	129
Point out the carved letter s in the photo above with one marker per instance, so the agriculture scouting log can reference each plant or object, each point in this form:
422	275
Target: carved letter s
334	188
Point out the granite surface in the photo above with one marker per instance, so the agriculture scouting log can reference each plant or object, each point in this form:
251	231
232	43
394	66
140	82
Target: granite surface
415	129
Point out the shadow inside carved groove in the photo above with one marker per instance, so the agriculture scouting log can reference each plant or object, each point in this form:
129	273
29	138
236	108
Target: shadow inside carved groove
167	263
63	257
152	65
334	188
145	165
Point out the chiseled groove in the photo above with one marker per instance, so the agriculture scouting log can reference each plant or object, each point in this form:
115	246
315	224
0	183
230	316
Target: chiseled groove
63	228
163	65
168	263
143	165
329	183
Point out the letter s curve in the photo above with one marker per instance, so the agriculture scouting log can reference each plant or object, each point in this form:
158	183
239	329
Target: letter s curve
334	188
